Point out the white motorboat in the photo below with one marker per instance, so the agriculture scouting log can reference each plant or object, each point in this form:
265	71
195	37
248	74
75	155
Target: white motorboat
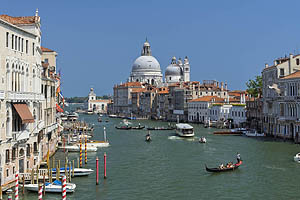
184	130
297	157
77	171
98	144
52	187
76	148
253	133
202	140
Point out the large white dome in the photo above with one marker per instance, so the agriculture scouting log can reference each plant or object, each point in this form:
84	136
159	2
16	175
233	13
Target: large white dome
146	63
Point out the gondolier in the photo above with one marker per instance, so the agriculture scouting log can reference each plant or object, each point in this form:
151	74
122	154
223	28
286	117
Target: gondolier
238	157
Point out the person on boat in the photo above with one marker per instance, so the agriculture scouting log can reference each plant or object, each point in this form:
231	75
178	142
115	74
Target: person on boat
238	157
139	125
221	166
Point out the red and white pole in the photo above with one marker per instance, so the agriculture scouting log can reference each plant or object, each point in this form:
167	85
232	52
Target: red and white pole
64	188
17	186
104	165
40	191
97	171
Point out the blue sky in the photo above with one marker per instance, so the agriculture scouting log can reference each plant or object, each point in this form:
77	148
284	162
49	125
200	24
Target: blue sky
97	41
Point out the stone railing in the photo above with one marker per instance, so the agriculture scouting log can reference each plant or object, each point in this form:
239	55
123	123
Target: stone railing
2	94
23	96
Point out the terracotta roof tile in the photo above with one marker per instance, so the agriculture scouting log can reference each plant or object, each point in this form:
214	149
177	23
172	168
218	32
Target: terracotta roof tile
19	20
101	100
208	99
44	49
293	75
137	90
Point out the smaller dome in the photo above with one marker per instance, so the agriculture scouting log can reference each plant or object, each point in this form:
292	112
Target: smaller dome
173	70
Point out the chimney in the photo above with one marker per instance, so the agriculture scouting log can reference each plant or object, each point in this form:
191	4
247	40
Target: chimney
266	65
217	83
290	63
275	62
222	86
225	86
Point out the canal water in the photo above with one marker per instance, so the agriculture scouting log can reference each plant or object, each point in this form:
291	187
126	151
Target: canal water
170	167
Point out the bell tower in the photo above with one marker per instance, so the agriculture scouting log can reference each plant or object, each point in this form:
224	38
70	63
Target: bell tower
146	49
186	68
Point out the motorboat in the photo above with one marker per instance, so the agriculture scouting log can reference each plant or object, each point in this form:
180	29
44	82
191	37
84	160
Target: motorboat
202	140
297	158
97	143
77	171
54	187
184	130
224	169
253	133
76	148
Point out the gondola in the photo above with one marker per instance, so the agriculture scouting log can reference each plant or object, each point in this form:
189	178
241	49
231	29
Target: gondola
123	127
137	127
217	169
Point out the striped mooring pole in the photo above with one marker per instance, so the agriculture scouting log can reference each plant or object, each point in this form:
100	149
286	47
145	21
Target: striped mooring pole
85	152
104	165
40	191
64	188
17	186
80	155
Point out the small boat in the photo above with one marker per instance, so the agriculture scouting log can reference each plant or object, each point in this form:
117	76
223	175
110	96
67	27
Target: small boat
77	171
106	121
184	130
139	127
76	148
253	133
97	143
297	158
99	119
228	133
202	140
160	128
52	187
218	169
112	116
123	127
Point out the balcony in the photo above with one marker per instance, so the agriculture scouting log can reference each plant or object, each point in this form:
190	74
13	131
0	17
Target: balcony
18	96
2	94
20	135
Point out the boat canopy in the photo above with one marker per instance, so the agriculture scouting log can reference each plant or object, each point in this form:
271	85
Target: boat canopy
183	126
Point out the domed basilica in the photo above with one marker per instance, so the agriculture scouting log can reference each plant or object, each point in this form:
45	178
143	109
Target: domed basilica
146	69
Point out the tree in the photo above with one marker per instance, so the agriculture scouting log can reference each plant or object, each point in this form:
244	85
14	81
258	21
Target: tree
255	86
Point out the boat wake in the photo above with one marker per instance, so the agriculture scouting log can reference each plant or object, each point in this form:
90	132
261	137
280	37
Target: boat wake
276	168
174	137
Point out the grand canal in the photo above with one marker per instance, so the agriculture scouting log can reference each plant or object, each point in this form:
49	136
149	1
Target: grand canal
173	168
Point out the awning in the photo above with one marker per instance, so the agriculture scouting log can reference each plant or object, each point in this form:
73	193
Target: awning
58	108
24	112
24	135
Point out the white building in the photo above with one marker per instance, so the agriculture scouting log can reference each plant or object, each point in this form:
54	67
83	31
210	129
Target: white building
271	76
20	93
97	105
199	109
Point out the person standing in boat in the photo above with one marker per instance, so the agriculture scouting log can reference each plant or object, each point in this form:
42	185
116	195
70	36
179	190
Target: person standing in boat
238	157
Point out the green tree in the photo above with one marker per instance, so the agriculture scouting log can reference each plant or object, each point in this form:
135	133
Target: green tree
255	86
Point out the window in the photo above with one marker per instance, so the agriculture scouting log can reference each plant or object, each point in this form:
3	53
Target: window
46	60
7	37
26	46
16	42
12	41
33	48
19	44
297	61
22	44
7	174
7	156
281	72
